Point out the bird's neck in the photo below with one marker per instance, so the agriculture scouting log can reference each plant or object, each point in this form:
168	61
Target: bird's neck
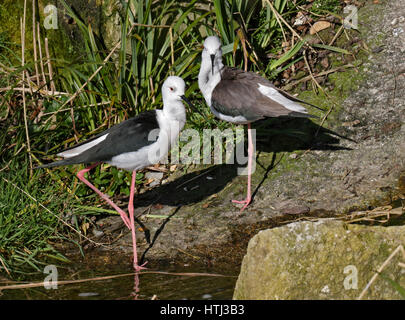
208	80
174	111
171	121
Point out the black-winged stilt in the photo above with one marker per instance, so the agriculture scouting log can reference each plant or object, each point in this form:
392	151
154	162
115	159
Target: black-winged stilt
132	145
242	97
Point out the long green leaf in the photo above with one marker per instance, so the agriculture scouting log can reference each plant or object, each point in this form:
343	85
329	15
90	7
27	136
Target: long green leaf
287	56
331	48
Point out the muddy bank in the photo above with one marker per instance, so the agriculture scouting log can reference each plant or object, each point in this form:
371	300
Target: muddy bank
191	217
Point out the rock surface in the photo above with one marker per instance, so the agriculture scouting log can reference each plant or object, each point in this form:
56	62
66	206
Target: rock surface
320	260
348	179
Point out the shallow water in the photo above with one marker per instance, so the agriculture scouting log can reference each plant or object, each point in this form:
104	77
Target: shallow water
157	286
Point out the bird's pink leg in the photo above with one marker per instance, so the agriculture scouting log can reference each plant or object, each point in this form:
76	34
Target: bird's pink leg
135	293
132	221
250	160
81	177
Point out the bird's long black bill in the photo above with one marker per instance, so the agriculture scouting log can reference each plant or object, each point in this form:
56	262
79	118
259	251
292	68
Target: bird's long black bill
183	97
191	105
212	63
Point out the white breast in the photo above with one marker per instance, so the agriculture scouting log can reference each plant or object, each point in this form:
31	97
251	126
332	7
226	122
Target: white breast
208	87
237	119
168	131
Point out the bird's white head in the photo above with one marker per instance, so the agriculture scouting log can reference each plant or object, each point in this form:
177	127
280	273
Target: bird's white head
173	89
212	45
212	52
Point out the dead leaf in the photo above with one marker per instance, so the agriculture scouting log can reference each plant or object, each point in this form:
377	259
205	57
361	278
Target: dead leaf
318	26
205	205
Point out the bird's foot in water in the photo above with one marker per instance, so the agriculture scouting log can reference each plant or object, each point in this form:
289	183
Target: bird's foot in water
246	202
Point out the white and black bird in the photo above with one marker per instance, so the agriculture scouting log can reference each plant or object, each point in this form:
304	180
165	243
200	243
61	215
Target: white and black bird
132	145
242	97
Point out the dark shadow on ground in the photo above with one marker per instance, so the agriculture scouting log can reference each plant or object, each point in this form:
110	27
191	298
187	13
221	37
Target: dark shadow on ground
190	188
292	134
273	135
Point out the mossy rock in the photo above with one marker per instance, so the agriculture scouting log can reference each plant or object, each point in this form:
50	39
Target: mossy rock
65	42
319	260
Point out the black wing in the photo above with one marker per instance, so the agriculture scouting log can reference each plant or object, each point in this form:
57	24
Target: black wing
127	136
237	94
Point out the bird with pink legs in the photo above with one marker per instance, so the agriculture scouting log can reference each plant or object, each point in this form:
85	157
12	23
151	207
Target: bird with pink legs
242	97
132	145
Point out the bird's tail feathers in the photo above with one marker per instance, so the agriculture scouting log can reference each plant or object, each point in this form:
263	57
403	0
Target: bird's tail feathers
59	163
293	98
302	115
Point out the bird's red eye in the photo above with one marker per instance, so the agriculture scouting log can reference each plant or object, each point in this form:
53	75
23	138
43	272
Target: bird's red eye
171	89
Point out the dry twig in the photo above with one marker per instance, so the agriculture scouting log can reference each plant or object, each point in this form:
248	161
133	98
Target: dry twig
62	282
22	22
34	42
40	57
48	62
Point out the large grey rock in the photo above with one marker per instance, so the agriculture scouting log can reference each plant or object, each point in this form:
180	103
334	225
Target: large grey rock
319	260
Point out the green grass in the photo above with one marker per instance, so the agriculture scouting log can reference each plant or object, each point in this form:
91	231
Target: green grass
26	229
